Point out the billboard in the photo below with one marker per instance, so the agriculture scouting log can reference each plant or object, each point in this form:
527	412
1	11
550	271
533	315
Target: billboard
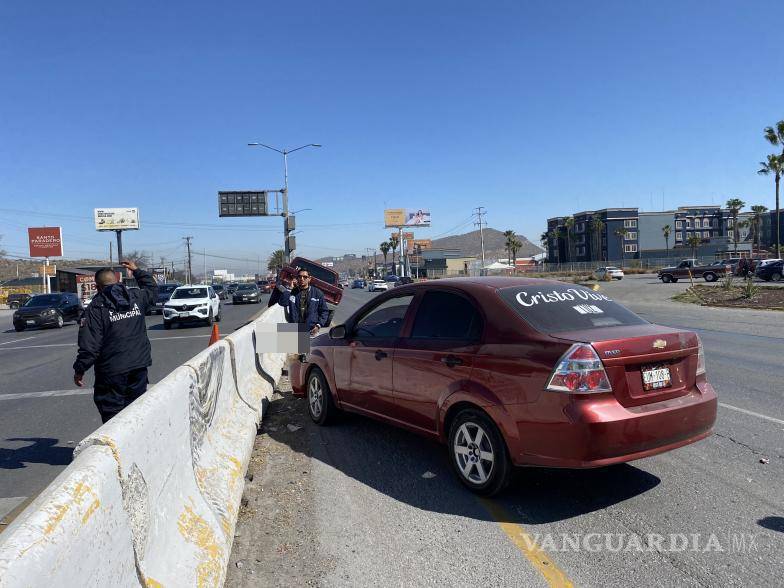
116	219
408	236
45	241
242	203
401	217
418	244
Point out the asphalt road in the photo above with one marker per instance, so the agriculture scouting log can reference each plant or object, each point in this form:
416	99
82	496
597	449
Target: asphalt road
365	504
43	415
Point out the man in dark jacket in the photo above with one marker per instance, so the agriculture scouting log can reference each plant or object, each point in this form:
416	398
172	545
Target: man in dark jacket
113	339
305	303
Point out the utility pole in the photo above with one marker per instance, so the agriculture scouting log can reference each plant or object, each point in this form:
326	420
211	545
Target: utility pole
189	275
163	266
110	252
119	245
205	265
480	213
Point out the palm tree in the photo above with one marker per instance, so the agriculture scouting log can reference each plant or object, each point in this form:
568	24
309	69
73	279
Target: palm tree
384	247
621	234
666	230
569	224
510	237
694	241
276	261
597	226
756	222
514	247
393	243
735	205
774	166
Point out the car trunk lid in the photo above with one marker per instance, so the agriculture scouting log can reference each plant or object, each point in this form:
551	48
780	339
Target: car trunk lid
629	351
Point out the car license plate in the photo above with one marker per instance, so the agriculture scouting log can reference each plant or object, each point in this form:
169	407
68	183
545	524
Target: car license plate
184	314
656	377
30	322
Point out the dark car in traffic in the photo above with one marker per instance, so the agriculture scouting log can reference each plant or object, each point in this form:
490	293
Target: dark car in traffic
246	293
358	284
403	281
164	294
220	291
512	372
48	310
770	271
17	300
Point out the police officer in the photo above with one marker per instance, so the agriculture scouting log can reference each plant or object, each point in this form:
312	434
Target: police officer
113	338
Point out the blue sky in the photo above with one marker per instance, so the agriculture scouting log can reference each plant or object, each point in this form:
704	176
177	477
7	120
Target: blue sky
531	109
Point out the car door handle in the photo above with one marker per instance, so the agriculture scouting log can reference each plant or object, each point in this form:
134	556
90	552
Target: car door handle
380	355
451	360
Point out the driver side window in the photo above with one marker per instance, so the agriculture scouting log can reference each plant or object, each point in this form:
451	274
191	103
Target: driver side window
385	320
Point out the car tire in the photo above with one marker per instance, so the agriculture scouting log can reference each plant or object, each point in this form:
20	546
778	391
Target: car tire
218	316
321	405
19	328
675	280
469	458
60	322
709	277
666	278
775	276
13	305
209	320
167	324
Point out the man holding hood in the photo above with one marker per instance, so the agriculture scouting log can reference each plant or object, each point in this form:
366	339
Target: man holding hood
113	338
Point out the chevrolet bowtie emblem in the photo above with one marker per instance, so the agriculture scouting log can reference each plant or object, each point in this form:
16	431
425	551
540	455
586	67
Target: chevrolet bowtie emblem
659	344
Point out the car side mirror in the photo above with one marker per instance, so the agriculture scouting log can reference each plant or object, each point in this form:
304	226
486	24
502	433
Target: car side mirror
338	332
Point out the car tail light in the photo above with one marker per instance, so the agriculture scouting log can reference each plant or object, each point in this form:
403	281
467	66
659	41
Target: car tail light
700	357
579	371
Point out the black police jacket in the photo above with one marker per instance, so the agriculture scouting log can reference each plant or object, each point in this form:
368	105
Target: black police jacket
113	333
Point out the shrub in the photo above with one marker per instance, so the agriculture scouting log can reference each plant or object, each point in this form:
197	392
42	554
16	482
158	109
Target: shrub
749	290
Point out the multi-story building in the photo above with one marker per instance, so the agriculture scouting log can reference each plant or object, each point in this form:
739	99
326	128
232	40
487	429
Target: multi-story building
594	236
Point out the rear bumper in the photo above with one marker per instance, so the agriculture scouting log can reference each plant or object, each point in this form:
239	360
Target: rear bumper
602	432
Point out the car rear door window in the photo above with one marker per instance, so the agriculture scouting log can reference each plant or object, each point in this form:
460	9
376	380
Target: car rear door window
384	320
554	308
445	315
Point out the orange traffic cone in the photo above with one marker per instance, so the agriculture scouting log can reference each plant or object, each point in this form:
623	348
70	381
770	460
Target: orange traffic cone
215	336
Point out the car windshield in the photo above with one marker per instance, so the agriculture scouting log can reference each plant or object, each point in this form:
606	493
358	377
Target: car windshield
44	300
246	287
166	288
554	308
190	293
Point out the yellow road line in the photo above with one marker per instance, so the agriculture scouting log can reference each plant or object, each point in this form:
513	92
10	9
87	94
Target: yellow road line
554	576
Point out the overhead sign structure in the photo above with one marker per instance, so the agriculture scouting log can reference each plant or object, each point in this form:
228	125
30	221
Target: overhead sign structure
116	219
401	217
242	203
45	241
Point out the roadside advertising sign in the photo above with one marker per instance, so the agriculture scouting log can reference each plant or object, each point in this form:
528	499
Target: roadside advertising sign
394	217
418	218
45	241
408	236
116	219
418	244
85	288
242	203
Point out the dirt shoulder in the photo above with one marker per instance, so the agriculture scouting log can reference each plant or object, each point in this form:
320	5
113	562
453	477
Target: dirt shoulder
756	297
275	539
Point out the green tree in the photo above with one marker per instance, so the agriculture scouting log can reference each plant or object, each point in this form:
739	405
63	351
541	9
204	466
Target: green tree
509	236
597	227
514	246
276	261
694	241
569	224
393	243
735	205
756	223
621	234
666	231
384	247
774	166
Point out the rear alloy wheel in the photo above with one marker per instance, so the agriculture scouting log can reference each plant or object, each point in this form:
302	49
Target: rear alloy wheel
709	277
775	276
478	453
666	278
321	407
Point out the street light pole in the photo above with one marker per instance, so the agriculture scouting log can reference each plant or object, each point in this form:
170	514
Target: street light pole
285	153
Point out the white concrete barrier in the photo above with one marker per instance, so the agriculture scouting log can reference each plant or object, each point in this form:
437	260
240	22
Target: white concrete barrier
152	497
271	363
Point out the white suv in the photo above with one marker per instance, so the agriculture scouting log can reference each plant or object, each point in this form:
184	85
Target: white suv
192	303
377	285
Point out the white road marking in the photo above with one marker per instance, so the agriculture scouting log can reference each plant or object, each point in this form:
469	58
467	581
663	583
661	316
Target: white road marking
754	414
9	504
17	340
71	392
205	336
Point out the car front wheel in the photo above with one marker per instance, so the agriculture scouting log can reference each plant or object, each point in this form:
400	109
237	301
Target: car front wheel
709	277
59	323
666	278
775	276
19	328
478	453
321	407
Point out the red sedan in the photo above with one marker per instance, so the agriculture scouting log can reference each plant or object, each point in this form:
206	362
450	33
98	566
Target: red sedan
510	371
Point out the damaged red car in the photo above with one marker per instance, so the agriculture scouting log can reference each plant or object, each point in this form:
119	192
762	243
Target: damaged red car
513	372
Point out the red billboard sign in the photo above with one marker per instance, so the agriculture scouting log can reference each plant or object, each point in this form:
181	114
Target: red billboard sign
45	241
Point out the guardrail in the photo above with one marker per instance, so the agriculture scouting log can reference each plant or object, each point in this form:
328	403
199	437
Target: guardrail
151	498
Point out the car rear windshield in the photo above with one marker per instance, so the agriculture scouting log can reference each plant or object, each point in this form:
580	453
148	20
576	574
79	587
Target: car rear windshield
247	287
558	308
190	293
44	300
